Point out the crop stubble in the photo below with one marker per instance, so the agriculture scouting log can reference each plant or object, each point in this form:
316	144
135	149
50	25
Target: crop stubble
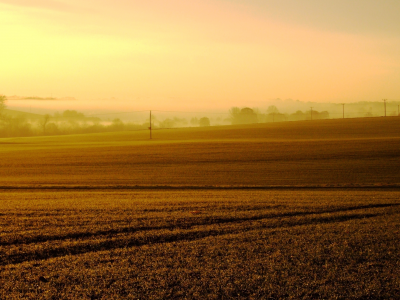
101	235
320	153
213	244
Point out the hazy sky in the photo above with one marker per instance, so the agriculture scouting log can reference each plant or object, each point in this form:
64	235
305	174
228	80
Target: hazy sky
200	53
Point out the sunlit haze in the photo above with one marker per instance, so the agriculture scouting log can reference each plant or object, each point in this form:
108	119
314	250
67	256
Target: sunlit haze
200	54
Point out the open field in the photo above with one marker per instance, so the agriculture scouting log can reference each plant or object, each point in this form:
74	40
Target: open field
353	152
199	244
297	210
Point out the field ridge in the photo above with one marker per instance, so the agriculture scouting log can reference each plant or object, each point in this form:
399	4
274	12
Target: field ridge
202	187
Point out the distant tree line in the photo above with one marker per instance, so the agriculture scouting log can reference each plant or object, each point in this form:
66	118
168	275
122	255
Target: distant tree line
74	122
176	122
248	115
202	122
69	122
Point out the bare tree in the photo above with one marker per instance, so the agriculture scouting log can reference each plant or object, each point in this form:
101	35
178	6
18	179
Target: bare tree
2	107
272	109
43	122
2	103
234	114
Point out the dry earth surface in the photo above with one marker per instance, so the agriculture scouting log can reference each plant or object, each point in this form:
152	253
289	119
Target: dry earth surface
353	152
297	210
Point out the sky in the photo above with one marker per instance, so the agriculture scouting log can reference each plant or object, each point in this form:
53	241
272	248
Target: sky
198	54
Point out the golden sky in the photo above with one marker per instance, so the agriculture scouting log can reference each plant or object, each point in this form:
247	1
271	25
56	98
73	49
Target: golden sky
200	53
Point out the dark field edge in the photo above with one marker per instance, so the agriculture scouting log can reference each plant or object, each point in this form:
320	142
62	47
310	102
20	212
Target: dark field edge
196	222
108	245
204	187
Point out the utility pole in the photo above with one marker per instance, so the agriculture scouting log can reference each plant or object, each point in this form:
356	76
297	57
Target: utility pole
343	109
311	113
150	125
384	103
398	110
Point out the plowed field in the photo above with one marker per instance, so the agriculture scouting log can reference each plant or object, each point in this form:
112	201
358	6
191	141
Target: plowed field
300	210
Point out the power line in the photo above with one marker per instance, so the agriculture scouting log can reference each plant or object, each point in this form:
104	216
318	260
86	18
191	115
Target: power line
384	103
150	125
343	109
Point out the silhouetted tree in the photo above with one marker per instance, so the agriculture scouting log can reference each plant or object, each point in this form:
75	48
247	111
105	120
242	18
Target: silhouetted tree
117	125
323	115
243	116
2	103
234	114
274	115
167	123
52	129
194	121
297	116
43	122
72	114
203	122
272	110
316	115
16	126
2	106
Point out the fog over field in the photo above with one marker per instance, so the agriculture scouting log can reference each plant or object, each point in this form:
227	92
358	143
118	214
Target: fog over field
49	116
202	149
288	209
129	109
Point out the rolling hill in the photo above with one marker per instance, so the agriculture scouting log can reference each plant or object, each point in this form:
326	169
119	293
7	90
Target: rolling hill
323	153
21	114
